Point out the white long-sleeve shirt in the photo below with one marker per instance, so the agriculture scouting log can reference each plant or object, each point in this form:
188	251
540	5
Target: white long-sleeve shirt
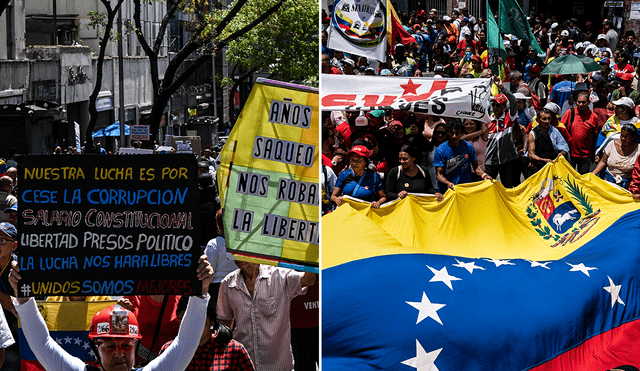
54	358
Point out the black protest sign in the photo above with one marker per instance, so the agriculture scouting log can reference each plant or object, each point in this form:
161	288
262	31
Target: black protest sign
108	225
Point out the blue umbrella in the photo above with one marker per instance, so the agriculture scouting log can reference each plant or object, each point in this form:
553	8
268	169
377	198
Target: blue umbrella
112	130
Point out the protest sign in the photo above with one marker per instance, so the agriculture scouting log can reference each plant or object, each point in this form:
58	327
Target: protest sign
98	225
462	98
358	26
268	177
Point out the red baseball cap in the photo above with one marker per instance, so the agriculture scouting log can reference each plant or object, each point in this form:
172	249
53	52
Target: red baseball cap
500	98
476	58
535	68
360	151
395	122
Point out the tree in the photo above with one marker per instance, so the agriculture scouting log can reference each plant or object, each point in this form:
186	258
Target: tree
3	5
100	20
212	28
286	44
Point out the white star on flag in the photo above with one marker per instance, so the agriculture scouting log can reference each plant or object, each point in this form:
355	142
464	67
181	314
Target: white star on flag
614	290
499	262
78	341
67	340
426	309
86	346
538	264
581	268
468	266
442	276
59	341
423	361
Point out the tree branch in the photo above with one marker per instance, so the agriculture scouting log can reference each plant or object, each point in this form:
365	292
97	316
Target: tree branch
163	25
232	13
251	25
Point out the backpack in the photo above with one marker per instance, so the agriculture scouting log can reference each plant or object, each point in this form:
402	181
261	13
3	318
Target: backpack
535	100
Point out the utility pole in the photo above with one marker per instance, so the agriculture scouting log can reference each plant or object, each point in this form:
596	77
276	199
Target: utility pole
121	78
55	23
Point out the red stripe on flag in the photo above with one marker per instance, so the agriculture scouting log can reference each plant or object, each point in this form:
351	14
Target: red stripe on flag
616	347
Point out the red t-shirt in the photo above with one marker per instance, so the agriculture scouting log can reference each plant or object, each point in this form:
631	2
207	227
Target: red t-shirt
305	309
147	312
584	132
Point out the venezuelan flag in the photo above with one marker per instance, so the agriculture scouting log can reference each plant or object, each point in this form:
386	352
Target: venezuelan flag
543	276
68	323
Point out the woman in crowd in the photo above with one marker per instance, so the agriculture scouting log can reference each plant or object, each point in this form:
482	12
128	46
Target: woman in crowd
359	181
439	137
619	157
409	177
477	133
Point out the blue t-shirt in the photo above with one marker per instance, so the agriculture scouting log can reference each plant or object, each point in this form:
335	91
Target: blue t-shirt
456	162
370	184
562	91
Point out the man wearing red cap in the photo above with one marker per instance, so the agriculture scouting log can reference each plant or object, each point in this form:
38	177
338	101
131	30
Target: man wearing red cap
537	86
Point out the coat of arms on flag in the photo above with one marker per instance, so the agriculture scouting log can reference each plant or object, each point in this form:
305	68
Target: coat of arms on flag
561	214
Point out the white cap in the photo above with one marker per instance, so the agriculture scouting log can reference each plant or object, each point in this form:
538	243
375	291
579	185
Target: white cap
564	33
602	36
349	61
554	25
625	101
446	18
553	108
520	96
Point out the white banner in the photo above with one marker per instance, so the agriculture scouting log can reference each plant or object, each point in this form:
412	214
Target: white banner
359	27
463	98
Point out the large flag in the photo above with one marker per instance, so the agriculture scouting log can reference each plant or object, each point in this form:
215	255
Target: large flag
543	276
396	32
268	177
463	98
359	27
68	323
495	47
511	19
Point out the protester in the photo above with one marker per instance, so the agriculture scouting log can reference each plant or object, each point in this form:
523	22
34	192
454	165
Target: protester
221	260
114	348
583	126
619	157
359	181
455	159
477	133
546	144
258	298
409	177
217	351
6	198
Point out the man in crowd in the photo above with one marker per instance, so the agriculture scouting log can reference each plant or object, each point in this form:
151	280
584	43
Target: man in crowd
455	159
583	126
258	298
6	198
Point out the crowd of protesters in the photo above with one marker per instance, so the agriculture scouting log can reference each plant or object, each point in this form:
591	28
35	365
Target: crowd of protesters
591	118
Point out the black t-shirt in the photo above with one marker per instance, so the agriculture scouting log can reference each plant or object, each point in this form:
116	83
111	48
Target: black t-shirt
398	181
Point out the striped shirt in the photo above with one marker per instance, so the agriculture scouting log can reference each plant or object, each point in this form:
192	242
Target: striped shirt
263	324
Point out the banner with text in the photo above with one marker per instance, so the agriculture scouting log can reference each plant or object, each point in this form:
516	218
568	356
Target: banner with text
268	177
95	225
358	27
463	98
